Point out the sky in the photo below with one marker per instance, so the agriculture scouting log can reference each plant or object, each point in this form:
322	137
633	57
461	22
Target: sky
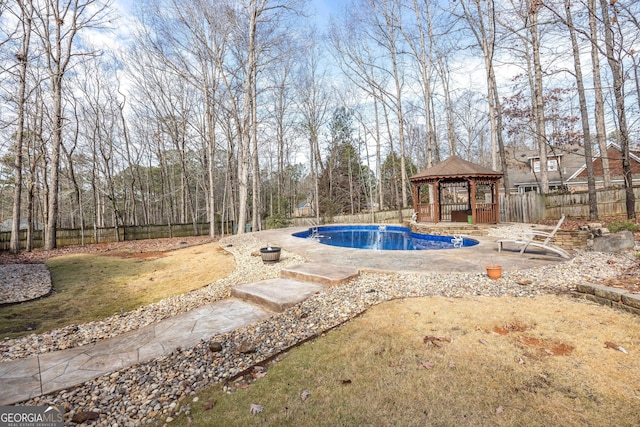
324	9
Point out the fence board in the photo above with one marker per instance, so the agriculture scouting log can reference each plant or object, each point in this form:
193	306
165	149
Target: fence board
72	236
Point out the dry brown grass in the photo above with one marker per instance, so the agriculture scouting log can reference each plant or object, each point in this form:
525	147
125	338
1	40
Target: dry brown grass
93	286
442	362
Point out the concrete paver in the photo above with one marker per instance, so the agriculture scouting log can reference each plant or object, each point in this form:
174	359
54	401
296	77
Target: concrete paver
324	274
460	260
276	294
25	378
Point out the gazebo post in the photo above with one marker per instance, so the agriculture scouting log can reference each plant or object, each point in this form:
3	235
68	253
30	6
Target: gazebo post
416	202
436	201
473	201
494	202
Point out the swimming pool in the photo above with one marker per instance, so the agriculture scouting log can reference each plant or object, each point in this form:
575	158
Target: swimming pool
382	237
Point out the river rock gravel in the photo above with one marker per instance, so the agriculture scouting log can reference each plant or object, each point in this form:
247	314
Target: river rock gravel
23	282
157	391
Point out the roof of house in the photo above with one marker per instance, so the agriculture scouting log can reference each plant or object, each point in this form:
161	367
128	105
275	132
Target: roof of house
519	164
455	167
614	153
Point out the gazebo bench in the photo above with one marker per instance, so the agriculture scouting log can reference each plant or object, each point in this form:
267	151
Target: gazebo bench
460	216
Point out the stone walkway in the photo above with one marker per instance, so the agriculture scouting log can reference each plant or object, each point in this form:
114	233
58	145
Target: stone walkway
25	378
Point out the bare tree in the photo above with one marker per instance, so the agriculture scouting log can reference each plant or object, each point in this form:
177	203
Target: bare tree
421	45
601	133
25	18
482	23
59	23
533	11
567	20
313	103
615	63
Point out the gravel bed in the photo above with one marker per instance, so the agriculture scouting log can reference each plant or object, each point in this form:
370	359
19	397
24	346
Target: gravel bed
23	282
157	391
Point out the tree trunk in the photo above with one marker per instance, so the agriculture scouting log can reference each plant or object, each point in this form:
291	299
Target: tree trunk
584	116
50	233
248	110
255	184
538	98
601	131
23	59
618	86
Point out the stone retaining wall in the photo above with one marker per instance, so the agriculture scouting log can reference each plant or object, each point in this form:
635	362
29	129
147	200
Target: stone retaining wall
571	239
449	229
612	297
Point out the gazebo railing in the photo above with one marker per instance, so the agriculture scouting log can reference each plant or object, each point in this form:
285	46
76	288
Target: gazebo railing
426	213
486	213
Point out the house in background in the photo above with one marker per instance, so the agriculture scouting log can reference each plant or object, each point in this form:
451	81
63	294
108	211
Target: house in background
303	209
523	167
578	180
566	168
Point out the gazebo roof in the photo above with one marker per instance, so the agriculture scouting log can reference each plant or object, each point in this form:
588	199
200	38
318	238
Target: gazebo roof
456	167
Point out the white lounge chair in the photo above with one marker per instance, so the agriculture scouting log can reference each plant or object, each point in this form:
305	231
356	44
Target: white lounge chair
532	238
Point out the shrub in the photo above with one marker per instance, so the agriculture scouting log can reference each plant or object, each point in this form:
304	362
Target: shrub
278	221
616	226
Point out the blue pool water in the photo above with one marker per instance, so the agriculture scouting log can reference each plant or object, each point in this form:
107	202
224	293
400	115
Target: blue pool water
377	237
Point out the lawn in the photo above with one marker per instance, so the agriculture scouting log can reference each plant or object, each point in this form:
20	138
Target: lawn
435	361
94	286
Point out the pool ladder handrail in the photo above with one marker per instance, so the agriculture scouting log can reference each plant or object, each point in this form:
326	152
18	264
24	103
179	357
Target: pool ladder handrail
314	234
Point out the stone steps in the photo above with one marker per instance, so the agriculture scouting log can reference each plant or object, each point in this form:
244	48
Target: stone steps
324	274
296	284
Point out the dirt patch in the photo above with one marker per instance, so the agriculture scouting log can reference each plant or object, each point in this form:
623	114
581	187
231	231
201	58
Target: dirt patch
545	346
510	327
549	347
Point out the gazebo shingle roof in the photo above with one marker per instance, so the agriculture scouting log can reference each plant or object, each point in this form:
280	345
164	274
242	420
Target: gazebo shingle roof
455	167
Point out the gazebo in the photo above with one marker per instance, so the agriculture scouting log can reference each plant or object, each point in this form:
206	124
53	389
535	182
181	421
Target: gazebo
456	190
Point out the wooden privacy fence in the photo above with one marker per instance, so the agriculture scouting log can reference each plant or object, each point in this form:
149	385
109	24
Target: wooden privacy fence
532	207
73	236
528	207
610	203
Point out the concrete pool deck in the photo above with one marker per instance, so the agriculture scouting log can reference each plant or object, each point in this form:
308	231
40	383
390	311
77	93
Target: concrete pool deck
459	260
